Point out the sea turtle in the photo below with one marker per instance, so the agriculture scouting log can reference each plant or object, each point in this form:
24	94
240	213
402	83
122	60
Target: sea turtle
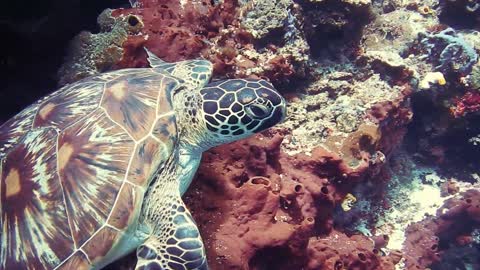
98	168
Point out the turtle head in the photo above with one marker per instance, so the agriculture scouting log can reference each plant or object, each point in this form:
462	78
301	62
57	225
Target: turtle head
236	108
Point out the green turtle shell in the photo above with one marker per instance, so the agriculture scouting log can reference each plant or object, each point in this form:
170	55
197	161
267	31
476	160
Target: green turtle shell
75	166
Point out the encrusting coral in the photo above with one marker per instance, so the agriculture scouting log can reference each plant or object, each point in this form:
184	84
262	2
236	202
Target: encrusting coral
253	201
89	54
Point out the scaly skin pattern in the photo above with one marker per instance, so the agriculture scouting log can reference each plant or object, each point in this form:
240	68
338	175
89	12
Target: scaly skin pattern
175	242
225	111
98	168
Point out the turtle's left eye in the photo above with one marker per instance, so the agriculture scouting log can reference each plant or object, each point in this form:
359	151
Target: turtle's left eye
258	110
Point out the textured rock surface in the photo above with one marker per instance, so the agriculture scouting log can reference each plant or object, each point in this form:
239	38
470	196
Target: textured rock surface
252	201
91	54
429	241
174	31
328	188
265	18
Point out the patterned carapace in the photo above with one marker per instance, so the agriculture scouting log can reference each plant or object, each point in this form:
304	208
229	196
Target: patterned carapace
75	166
97	168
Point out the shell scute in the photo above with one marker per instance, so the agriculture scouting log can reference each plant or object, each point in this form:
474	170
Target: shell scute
70	105
12	131
148	154
92	168
129	202
34	221
101	243
131	101
165	130
108	76
168	84
77	261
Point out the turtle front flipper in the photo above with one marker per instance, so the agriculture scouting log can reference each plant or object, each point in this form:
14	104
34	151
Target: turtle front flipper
194	73
175	244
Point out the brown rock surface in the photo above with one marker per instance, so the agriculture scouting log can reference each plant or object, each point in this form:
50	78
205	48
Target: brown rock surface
456	219
253	202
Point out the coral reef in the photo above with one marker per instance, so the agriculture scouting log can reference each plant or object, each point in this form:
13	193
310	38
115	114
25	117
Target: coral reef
332	24
252	201
468	103
339	251
433	240
228	34
376	165
90	54
337	106
266	18
449	51
172	30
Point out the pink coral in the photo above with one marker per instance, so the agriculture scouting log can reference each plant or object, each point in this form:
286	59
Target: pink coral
468	103
198	29
338	251
170	31
251	200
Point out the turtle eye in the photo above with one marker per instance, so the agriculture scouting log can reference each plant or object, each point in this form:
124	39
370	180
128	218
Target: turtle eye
258	111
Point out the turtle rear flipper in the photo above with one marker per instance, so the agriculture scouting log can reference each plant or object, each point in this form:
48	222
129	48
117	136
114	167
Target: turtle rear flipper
175	245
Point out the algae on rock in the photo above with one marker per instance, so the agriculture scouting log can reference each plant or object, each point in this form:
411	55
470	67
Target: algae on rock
264	17
90	54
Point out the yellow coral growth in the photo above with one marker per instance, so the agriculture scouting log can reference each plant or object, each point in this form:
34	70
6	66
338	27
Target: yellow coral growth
356	144
426	10
432	78
348	202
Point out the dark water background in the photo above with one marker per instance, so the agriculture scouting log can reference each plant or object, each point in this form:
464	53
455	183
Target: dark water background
34	37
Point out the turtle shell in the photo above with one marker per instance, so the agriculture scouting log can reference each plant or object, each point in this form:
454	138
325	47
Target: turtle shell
75	166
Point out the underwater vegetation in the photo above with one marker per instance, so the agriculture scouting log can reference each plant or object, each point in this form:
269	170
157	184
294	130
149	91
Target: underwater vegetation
376	166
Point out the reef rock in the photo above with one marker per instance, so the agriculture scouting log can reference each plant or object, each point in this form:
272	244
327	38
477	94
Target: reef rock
90	54
430	241
230	34
252	202
266	18
326	189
